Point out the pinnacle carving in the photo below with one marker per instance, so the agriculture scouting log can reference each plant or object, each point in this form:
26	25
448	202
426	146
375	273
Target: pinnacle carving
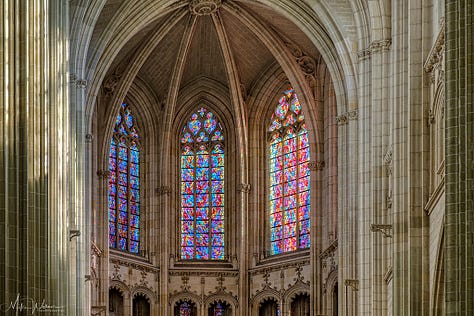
204	7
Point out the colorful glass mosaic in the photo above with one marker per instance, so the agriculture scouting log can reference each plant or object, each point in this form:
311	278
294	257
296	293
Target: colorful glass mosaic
289	189
218	310
202	187
185	309
124	184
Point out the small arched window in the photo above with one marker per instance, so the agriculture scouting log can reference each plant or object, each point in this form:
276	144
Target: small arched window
202	187
124	184
289	177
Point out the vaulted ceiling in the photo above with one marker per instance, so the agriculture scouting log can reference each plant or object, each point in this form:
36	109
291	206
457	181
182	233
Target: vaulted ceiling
193	44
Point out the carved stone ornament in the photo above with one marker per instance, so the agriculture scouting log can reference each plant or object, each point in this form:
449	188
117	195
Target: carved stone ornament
387	160
163	190
89	138
341	119
352	115
111	83
81	84
435	57
374	47
244	187
103	174
316	165
352	283
204	7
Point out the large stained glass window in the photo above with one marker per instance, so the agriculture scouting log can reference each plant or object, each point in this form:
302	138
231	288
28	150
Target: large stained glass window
202	188
289	188
124	184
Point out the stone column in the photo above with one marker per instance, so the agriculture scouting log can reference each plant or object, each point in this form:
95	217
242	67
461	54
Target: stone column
35	147
459	158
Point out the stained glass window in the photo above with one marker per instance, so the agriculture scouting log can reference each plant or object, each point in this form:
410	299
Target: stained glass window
185	309
218	310
202	187
289	188
124	184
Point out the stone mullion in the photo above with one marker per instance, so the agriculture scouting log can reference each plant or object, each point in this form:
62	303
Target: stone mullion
365	251
379	145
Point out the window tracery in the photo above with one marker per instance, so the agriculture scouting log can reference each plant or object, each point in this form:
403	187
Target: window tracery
202	187
289	177
124	184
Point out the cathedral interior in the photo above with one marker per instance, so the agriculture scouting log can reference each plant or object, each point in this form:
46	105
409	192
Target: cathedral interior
237	157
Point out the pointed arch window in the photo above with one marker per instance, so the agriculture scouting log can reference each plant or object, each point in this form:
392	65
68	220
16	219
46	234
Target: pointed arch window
202	187
124	184
289	177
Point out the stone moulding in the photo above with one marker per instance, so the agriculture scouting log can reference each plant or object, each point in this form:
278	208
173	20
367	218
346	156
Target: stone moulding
204	7
374	47
435	57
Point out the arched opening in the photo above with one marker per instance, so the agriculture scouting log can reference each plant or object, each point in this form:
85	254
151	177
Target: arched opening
115	303
269	308
300	305
334	300
141	306
185	308
220	309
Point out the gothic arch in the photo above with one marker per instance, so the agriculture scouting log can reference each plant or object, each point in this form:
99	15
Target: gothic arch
145	292
120	286
185	296
338	57
267	293
298	288
222	297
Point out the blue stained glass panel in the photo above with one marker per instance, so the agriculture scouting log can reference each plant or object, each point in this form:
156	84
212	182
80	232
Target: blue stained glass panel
187	240
202	161
112	241
217	226
187	174
187	187
187	161
122	192
201	213
217	199
111	202
202	253
187	200
134	208
202	200
304	241
217	213
218	253
122	244
202	174
202	227
187	227
202	187
187	252
202	240
217	240
134	169
112	229
187	214
217	160
217	186
134	182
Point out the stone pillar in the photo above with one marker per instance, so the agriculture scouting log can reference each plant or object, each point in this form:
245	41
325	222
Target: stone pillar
35	148
459	218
